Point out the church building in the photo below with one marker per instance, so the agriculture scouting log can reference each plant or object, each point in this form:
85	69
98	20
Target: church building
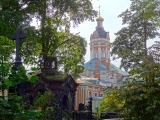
99	73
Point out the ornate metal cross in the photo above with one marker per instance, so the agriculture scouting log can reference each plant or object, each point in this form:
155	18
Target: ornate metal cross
18	36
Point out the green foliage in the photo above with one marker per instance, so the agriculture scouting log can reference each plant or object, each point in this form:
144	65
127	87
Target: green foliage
141	99
131	41
13	109
135	99
138	97
42	100
6	48
97	114
41	104
54	18
12	14
12	106
112	103
53	35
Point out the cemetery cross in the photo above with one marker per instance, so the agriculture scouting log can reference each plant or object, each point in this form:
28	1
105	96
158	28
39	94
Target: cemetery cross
21	88
18	36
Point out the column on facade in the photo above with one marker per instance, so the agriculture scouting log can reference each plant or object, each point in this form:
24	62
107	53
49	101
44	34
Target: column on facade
106	52
84	96
99	51
80	95
93	51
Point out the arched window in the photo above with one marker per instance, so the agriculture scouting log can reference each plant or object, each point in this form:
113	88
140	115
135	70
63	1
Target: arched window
103	53
53	64
46	64
96	54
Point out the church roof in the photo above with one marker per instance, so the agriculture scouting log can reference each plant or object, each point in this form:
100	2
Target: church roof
91	65
102	32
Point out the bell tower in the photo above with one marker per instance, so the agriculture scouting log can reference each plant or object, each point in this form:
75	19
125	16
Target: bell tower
100	43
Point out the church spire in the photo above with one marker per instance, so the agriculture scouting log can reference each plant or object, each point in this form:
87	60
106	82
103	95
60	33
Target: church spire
99	20
99	10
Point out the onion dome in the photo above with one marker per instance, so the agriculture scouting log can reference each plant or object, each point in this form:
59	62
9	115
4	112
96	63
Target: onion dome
99	19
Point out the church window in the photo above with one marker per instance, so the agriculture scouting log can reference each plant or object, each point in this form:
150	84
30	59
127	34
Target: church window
95	94
103	54
53	64
46	64
96	54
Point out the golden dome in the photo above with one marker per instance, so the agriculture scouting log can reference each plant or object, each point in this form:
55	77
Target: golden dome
99	19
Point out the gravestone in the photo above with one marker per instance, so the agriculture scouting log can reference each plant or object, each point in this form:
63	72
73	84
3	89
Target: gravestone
81	107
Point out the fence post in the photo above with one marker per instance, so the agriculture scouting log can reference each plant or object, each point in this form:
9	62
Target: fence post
90	107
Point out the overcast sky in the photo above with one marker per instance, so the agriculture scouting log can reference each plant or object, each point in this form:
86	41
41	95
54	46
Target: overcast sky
110	9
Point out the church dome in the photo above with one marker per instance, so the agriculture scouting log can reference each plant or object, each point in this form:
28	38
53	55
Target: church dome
100	32
99	19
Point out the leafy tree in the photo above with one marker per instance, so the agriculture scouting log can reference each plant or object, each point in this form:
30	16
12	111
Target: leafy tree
55	18
111	102
12	14
134	100
131	41
53	33
139	94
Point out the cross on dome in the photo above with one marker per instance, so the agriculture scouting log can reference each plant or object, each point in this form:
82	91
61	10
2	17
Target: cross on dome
99	18
99	10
